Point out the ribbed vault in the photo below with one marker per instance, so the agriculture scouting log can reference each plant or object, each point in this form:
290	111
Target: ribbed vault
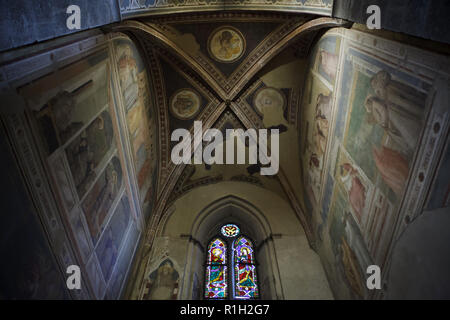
174	47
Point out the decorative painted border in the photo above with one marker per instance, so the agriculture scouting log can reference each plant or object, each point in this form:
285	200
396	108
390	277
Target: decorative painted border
229	88
135	9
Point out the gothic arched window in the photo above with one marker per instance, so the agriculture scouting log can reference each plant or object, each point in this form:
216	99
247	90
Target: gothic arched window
231	272
216	270
245	283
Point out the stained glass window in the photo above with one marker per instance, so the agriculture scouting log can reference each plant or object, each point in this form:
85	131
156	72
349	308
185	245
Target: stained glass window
245	282
243	251
230	230
217	252
234	275
216	270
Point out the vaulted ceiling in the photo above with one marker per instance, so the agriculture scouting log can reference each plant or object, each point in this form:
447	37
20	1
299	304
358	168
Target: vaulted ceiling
227	84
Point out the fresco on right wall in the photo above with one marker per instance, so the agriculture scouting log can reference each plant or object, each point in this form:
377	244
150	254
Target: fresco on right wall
360	152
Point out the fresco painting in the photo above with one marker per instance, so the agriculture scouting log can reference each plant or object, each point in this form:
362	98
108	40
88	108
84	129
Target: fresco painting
62	179
90	123
96	277
63	105
124	261
128	75
349	252
316	116
164	282
226	44
135	90
100	198
185	104
355	186
384	122
108	247
88	149
382	135
81	237
326	58
269	98
74	112
380	112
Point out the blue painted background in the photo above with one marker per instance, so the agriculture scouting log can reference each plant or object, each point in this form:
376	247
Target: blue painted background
24	22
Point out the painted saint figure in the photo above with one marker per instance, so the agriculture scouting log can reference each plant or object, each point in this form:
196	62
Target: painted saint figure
328	61
226	44
321	129
229	45
62	107
351	268
163	282
106	196
396	93
398	109
314	173
128	75
81	162
393	168
356	241
323	105
184	104
355	189
402	126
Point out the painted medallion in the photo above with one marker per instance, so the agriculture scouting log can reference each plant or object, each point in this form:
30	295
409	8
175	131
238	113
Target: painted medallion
226	44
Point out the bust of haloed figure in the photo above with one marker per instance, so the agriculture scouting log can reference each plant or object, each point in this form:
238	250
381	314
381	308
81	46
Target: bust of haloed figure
163	282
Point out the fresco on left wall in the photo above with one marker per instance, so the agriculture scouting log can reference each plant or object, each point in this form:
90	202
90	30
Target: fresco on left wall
79	118
77	130
141	122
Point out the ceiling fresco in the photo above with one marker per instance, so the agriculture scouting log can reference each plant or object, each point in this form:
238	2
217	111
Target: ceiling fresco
228	70
226	47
